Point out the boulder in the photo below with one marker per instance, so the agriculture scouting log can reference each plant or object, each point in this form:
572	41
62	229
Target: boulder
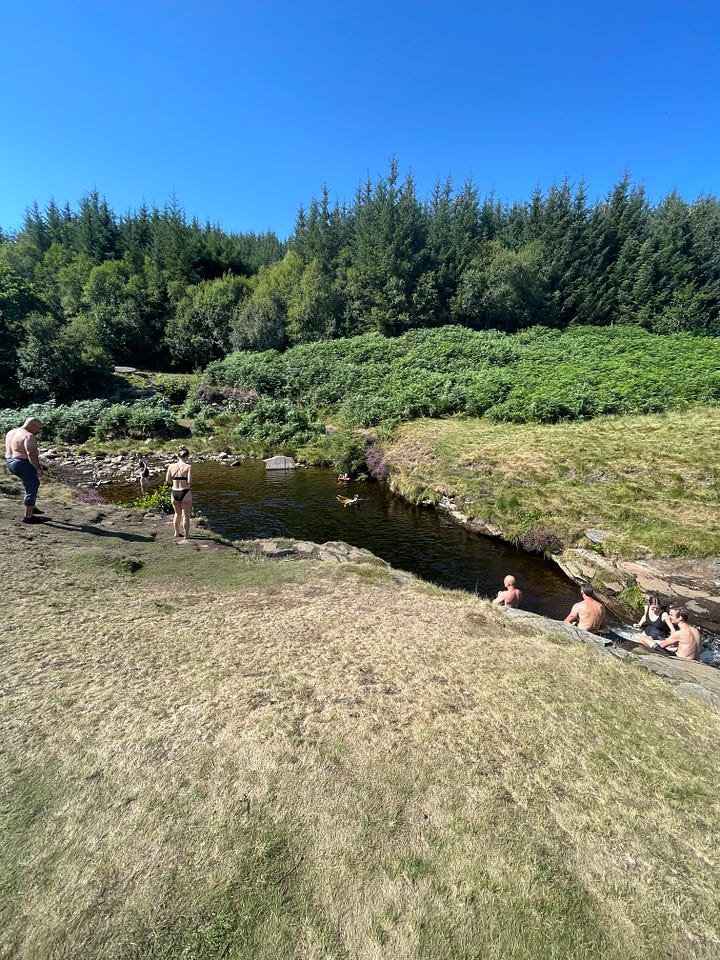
694	582
597	536
280	463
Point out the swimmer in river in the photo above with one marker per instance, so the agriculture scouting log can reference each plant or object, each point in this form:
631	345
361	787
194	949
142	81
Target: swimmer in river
349	501
510	596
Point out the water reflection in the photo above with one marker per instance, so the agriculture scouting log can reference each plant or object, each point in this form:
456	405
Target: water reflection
248	502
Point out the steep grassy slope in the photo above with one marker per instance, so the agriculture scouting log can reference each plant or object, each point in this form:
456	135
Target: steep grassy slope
651	481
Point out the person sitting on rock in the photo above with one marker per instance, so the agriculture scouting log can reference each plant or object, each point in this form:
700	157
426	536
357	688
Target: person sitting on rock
684	642
657	624
510	596
588	613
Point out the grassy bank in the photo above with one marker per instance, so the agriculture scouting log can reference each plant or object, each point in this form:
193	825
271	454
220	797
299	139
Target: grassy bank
209	756
652	481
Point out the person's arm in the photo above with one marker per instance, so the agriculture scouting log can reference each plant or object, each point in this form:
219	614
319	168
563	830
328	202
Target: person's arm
643	619
670	642
500	598
31	448
189	476
168	477
573	615
673	626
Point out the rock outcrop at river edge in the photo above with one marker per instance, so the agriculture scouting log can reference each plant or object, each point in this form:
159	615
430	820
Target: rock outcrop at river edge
694	582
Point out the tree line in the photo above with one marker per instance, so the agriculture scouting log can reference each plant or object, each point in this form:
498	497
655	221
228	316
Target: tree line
81	290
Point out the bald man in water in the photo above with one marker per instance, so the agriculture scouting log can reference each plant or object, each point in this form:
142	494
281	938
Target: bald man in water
23	461
510	596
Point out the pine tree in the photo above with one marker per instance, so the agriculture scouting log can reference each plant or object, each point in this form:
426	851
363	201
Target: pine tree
97	232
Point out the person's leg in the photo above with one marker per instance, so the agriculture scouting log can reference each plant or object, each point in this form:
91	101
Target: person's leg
177	518
28	476
646	640
186	508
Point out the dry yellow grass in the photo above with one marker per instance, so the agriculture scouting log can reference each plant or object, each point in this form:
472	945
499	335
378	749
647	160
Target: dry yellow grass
307	760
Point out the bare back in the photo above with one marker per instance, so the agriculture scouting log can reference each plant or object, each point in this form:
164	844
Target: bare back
179	475
510	597
688	642
20	444
590	614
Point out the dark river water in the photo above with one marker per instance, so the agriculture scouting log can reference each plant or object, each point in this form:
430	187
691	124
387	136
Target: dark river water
248	502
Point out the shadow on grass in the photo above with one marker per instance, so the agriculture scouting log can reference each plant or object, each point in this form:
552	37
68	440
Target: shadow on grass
97	531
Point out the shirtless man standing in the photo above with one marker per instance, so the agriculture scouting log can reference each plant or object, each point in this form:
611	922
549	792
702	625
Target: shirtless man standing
510	596
21	457
684	635
588	613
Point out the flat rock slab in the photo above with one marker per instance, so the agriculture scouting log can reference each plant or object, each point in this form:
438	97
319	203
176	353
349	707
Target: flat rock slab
336	551
695	582
597	536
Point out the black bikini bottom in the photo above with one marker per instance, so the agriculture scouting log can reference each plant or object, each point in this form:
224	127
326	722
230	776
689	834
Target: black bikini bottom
180	494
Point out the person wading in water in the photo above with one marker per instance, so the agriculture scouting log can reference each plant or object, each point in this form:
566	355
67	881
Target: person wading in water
510	596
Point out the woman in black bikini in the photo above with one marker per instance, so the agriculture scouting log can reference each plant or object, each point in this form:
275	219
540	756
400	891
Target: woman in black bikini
656	624
179	475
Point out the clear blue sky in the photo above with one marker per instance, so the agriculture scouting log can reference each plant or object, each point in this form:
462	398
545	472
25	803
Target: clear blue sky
245	108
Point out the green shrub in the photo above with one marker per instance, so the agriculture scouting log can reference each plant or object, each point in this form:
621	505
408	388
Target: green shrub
148	421
113	422
537	375
174	388
344	452
157	499
276	423
75	423
193	407
201	425
78	422
71	423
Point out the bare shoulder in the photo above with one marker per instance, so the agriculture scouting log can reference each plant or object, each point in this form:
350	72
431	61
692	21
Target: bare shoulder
574	613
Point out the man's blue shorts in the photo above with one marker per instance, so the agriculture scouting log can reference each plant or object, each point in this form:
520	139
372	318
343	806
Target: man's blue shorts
26	472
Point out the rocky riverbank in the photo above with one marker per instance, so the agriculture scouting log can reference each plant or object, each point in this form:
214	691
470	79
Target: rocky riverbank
693	582
583	494
83	469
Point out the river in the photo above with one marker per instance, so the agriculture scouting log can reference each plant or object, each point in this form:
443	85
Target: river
248	502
